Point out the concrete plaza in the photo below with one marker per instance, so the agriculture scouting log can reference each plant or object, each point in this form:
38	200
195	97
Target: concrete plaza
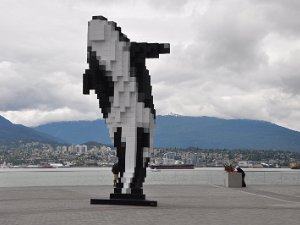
179	204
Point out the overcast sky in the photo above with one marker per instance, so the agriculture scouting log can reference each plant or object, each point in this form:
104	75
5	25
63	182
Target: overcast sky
229	59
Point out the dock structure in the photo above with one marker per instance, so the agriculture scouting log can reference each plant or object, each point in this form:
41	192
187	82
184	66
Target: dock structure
197	204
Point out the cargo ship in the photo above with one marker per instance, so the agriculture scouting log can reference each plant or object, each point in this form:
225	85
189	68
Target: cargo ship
173	166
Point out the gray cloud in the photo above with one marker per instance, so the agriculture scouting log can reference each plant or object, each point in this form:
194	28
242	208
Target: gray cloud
231	59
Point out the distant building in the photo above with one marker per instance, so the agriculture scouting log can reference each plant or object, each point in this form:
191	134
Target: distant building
169	158
81	149
245	164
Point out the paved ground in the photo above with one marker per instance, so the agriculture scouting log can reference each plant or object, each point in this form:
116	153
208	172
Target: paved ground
180	204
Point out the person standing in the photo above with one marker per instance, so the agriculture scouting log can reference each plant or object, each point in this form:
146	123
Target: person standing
239	170
115	170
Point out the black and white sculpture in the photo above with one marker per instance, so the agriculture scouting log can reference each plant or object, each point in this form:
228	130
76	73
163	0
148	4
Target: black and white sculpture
118	74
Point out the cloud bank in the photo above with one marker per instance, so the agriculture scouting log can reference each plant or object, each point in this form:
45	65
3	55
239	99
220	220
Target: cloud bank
229	59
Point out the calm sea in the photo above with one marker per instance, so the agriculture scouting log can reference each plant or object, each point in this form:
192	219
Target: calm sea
15	177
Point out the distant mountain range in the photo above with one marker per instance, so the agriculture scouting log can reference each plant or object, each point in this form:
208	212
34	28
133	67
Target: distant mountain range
171	131
185	131
10	133
78	132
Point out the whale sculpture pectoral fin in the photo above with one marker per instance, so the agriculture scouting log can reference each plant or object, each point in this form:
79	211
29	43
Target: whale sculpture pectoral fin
148	50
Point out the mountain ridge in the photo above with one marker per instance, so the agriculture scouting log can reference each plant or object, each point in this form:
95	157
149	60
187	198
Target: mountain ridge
10	133
187	131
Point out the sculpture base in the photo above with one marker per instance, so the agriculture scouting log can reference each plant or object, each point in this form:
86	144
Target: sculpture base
123	202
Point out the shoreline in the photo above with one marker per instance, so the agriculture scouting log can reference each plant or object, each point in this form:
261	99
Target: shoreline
70	169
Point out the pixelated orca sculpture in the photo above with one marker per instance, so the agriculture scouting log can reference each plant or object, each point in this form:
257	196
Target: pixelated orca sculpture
117	72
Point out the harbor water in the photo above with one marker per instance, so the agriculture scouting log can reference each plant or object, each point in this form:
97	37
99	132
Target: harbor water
25	177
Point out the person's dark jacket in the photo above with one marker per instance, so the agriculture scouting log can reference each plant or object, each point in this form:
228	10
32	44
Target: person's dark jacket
239	170
115	168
